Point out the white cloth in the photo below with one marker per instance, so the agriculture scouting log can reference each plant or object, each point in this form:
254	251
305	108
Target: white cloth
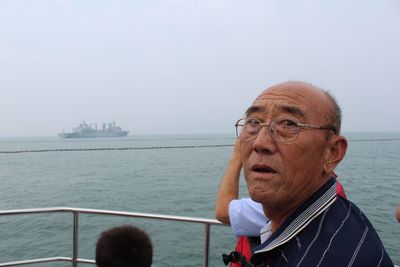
247	217
266	232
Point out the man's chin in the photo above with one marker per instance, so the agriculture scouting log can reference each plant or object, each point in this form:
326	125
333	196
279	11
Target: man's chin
257	197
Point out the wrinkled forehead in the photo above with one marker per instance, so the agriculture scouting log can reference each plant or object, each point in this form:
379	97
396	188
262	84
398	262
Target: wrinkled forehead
300	100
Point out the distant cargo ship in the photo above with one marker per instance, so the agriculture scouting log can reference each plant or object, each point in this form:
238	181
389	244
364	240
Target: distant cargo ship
85	130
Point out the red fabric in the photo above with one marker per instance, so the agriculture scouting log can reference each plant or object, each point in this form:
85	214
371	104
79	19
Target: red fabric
242	246
340	190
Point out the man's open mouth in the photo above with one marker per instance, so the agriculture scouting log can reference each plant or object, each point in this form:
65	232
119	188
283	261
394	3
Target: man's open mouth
262	168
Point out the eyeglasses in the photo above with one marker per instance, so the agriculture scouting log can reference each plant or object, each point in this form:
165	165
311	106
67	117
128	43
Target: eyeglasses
281	129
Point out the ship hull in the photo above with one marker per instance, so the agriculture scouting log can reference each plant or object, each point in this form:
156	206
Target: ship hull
94	135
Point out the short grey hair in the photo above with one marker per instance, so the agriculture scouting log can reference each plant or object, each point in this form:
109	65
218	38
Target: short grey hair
335	118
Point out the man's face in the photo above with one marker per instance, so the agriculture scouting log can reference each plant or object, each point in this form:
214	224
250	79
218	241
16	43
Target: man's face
283	175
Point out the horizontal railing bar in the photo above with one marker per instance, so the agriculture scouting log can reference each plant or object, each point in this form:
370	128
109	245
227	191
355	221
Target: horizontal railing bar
43	260
111	212
86	261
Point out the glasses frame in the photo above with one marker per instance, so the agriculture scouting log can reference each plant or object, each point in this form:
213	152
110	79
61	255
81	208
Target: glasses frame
270	130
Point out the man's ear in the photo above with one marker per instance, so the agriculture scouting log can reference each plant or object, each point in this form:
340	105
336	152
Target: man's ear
335	152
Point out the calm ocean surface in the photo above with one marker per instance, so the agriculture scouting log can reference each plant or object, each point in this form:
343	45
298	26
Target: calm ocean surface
172	181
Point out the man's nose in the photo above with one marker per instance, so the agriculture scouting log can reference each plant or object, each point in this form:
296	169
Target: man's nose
264	143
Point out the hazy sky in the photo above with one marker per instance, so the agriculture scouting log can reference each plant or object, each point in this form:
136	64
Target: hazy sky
186	66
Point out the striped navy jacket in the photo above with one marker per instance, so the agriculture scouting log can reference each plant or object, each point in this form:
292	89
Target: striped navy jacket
326	231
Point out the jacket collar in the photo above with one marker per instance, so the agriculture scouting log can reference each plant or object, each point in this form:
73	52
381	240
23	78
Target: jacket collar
322	199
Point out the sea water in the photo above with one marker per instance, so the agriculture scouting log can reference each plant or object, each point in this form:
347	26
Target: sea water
172	175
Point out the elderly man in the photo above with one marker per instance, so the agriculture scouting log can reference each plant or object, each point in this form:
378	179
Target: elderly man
245	216
290	145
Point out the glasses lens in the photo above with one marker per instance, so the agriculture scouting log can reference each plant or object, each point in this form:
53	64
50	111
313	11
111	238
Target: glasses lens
247	129
284	129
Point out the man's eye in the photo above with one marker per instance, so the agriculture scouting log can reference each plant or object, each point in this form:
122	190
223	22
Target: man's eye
252	122
287	123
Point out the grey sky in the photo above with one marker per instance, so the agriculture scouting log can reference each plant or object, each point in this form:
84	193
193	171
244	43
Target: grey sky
169	66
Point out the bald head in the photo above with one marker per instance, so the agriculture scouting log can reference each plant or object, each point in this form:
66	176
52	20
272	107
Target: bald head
316	97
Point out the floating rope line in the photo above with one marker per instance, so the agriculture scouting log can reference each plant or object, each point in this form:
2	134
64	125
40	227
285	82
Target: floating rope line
105	149
375	140
153	147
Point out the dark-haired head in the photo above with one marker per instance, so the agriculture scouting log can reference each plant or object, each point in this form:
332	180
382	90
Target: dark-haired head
124	246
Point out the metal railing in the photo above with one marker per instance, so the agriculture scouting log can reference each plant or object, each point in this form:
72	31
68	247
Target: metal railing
76	211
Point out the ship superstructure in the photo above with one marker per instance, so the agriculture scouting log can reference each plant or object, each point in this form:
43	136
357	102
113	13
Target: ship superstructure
85	130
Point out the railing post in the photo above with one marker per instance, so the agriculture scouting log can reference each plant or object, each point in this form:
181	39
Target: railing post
206	244
75	240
